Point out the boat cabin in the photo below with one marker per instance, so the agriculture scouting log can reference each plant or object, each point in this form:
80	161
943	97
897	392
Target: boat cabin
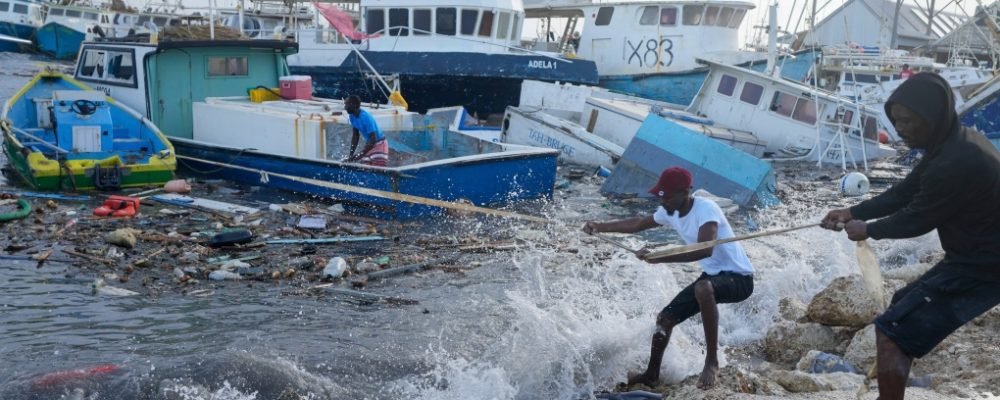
796	121
643	37
185	72
440	26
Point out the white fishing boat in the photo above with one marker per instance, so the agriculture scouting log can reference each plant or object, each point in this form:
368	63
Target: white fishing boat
797	121
649	48
592	126
869	74
441	53
19	20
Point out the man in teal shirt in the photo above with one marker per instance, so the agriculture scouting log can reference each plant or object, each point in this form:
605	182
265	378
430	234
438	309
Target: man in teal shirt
376	150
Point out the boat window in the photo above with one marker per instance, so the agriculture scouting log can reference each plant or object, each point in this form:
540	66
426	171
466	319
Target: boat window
503	26
469	18
862	78
90	16
421	22
92	65
486	24
21	8
848	117
515	28
4	6
783	103
160	21
727	85
55	12
668	16
737	18
711	15
446	21
805	111
73	13
120	68
374	21
751	93
399	22
227	66
649	14
725	16
692	14
870	127
604	16
142	20
105	19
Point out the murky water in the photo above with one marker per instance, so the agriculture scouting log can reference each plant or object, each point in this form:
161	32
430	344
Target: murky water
557	319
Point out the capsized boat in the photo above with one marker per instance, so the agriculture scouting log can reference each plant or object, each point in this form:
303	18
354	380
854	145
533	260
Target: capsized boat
61	135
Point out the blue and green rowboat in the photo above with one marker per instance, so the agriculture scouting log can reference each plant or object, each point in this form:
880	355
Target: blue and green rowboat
61	135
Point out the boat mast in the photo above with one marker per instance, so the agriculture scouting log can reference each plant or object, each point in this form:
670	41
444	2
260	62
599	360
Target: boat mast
895	24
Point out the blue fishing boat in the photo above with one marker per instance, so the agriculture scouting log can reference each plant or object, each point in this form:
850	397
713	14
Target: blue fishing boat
61	135
299	142
718	168
456	52
19	19
982	111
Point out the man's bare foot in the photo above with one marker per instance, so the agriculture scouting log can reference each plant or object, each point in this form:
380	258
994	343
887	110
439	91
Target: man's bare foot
643	378
707	379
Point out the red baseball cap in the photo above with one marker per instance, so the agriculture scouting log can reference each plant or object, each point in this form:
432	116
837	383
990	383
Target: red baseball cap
672	180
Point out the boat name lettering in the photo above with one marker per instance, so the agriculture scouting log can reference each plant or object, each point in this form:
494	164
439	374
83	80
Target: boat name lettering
647	52
105	89
543	64
550	142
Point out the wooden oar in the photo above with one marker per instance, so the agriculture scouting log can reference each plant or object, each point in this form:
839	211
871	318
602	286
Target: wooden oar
704	245
615	242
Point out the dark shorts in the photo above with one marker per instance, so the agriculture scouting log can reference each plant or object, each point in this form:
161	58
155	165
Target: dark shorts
729	287
926	311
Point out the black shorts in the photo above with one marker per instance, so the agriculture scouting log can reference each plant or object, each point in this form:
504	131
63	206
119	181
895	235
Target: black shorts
729	287
926	311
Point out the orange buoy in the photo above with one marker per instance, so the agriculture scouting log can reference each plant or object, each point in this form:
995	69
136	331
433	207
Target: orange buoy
883	137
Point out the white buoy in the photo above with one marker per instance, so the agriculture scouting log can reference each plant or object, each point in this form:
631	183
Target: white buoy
854	184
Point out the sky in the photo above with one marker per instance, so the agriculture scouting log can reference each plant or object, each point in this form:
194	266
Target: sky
788	13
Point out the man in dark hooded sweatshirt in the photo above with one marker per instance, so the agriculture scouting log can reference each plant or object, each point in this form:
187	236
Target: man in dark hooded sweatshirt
954	189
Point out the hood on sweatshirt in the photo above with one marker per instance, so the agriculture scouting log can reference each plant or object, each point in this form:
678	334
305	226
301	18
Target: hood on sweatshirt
930	96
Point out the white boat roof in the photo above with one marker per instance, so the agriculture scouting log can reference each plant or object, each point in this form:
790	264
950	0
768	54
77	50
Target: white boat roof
499	4
555	4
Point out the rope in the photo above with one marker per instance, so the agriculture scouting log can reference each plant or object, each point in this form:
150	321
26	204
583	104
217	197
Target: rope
380	193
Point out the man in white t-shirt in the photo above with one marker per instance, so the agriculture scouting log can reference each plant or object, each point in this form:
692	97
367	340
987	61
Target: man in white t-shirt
727	276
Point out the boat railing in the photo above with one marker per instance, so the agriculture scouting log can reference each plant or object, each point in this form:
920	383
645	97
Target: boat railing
383	33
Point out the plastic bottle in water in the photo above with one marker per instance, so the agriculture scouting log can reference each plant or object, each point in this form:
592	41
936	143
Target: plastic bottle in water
335	268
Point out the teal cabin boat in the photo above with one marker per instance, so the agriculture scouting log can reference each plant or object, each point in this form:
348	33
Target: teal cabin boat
197	91
61	135
19	20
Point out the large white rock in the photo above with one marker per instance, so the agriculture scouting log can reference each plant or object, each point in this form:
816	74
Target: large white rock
846	302
787	341
801	382
862	351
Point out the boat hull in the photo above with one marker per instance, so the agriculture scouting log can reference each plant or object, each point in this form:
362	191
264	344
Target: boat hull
59	41
483	83
983	113
680	88
484	182
17	31
575	144
716	167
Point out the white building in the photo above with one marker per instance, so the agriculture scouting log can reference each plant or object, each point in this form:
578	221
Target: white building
870	23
